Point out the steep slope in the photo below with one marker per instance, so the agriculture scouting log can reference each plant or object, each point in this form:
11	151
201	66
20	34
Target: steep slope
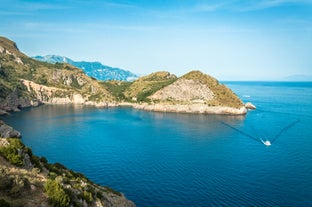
143	87
195	92
28	180
92	69
26	82
196	87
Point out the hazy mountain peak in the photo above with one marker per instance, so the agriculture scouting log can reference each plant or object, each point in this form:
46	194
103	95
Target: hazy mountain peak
93	69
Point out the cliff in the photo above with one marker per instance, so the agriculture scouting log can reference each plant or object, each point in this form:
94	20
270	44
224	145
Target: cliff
28	180
26	82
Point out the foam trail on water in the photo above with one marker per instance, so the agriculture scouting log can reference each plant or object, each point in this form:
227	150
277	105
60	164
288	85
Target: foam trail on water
286	128
241	132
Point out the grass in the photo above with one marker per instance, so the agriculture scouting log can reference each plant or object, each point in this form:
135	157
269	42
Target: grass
145	86
117	88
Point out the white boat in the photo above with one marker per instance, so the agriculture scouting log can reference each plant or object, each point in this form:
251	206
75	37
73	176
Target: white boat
266	143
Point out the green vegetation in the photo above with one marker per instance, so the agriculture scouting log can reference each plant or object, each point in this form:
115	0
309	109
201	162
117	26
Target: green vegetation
11	153
58	197
63	187
117	88
64	78
145	86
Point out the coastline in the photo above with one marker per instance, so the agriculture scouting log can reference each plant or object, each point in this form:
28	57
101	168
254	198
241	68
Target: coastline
187	108
195	108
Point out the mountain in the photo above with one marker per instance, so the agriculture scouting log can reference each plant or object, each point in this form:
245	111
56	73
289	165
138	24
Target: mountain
92	69
195	92
197	87
27	82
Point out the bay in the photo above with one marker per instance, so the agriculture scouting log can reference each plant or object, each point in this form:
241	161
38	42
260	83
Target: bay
167	159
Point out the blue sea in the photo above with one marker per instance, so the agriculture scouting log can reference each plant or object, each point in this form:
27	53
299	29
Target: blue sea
171	160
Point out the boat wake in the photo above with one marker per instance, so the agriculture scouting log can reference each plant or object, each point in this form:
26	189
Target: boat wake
265	142
241	132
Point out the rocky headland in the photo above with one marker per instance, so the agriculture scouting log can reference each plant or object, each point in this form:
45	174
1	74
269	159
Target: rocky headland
195	92
25	82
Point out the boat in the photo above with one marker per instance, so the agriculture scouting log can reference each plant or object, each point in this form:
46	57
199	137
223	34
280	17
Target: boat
266	143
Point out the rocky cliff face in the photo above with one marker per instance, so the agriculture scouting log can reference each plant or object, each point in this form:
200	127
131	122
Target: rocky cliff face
8	132
26	82
185	91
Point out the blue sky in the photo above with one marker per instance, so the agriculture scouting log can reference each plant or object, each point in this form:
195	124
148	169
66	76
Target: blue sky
231	40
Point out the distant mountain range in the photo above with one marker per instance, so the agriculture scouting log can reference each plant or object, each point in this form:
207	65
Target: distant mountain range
93	69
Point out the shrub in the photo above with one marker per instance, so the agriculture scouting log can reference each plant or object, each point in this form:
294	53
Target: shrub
87	196
43	160
11	154
58	197
4	203
6	182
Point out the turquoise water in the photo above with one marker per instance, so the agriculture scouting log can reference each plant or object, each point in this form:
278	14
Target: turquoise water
165	159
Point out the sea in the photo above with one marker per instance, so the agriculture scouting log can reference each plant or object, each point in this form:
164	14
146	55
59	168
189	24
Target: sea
172	160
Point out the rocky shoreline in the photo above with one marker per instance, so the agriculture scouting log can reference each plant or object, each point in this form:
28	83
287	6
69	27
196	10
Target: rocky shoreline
189	108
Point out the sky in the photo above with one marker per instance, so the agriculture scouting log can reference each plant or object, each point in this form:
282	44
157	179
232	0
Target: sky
228	39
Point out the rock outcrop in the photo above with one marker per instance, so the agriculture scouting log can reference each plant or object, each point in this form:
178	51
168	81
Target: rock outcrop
184	90
250	106
8	132
191	108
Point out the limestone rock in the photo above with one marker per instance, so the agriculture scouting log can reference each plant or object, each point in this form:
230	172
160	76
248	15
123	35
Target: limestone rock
184	90
8	132
250	106
191	108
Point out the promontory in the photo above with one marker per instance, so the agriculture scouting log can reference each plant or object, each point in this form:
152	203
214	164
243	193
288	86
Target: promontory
27	82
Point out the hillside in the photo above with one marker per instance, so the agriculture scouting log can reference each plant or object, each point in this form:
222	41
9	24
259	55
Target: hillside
194	92
28	82
145	86
93	69
28	180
